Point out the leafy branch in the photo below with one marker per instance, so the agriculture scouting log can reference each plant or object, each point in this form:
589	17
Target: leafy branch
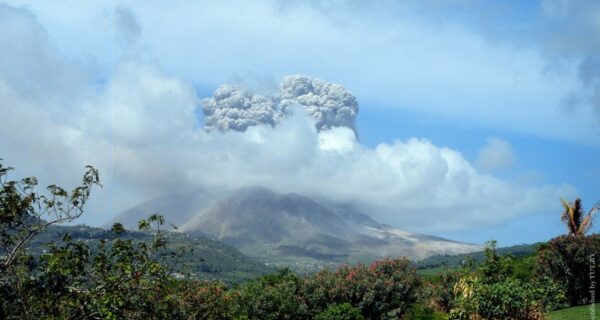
24	213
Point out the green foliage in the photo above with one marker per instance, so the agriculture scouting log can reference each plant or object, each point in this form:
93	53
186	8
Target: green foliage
550	294
420	311
458	261
507	299
571	261
24	213
386	289
205	300
523	268
344	311
496	291
495	268
115	279
274	296
120	280
438	291
203	259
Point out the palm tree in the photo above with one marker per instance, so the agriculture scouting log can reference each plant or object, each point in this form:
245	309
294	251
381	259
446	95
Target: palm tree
577	222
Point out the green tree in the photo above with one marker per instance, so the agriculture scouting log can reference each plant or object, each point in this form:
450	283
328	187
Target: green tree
24	213
495	268
276	296
344	311
571	261
494	291
385	289
114	278
507	299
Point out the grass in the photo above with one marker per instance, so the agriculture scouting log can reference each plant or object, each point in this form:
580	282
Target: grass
434	271
575	313
431	272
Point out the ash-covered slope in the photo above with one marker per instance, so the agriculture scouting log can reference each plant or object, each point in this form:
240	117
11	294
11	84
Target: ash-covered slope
262	223
177	208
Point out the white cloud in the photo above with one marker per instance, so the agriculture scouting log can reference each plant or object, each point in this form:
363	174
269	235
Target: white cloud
496	155
141	106
339	139
139	128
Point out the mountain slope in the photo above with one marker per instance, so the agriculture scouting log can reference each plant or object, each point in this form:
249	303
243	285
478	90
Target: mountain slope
177	208
262	223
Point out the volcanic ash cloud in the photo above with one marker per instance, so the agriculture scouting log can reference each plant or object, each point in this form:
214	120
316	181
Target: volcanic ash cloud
237	108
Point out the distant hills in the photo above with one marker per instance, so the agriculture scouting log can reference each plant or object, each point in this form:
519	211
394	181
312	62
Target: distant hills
452	261
289	229
203	258
212	259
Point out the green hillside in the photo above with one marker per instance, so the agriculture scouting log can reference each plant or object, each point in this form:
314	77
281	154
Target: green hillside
444	262
203	258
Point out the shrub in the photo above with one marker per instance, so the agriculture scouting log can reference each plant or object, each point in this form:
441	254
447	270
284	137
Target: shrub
344	311
383	290
271	297
205	300
507	299
550	294
121	279
438	291
495	291
495	268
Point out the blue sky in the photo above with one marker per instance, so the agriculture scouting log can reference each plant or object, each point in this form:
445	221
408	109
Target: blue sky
544	159
455	75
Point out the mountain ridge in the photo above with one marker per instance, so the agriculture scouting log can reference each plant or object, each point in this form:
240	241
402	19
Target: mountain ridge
293	228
